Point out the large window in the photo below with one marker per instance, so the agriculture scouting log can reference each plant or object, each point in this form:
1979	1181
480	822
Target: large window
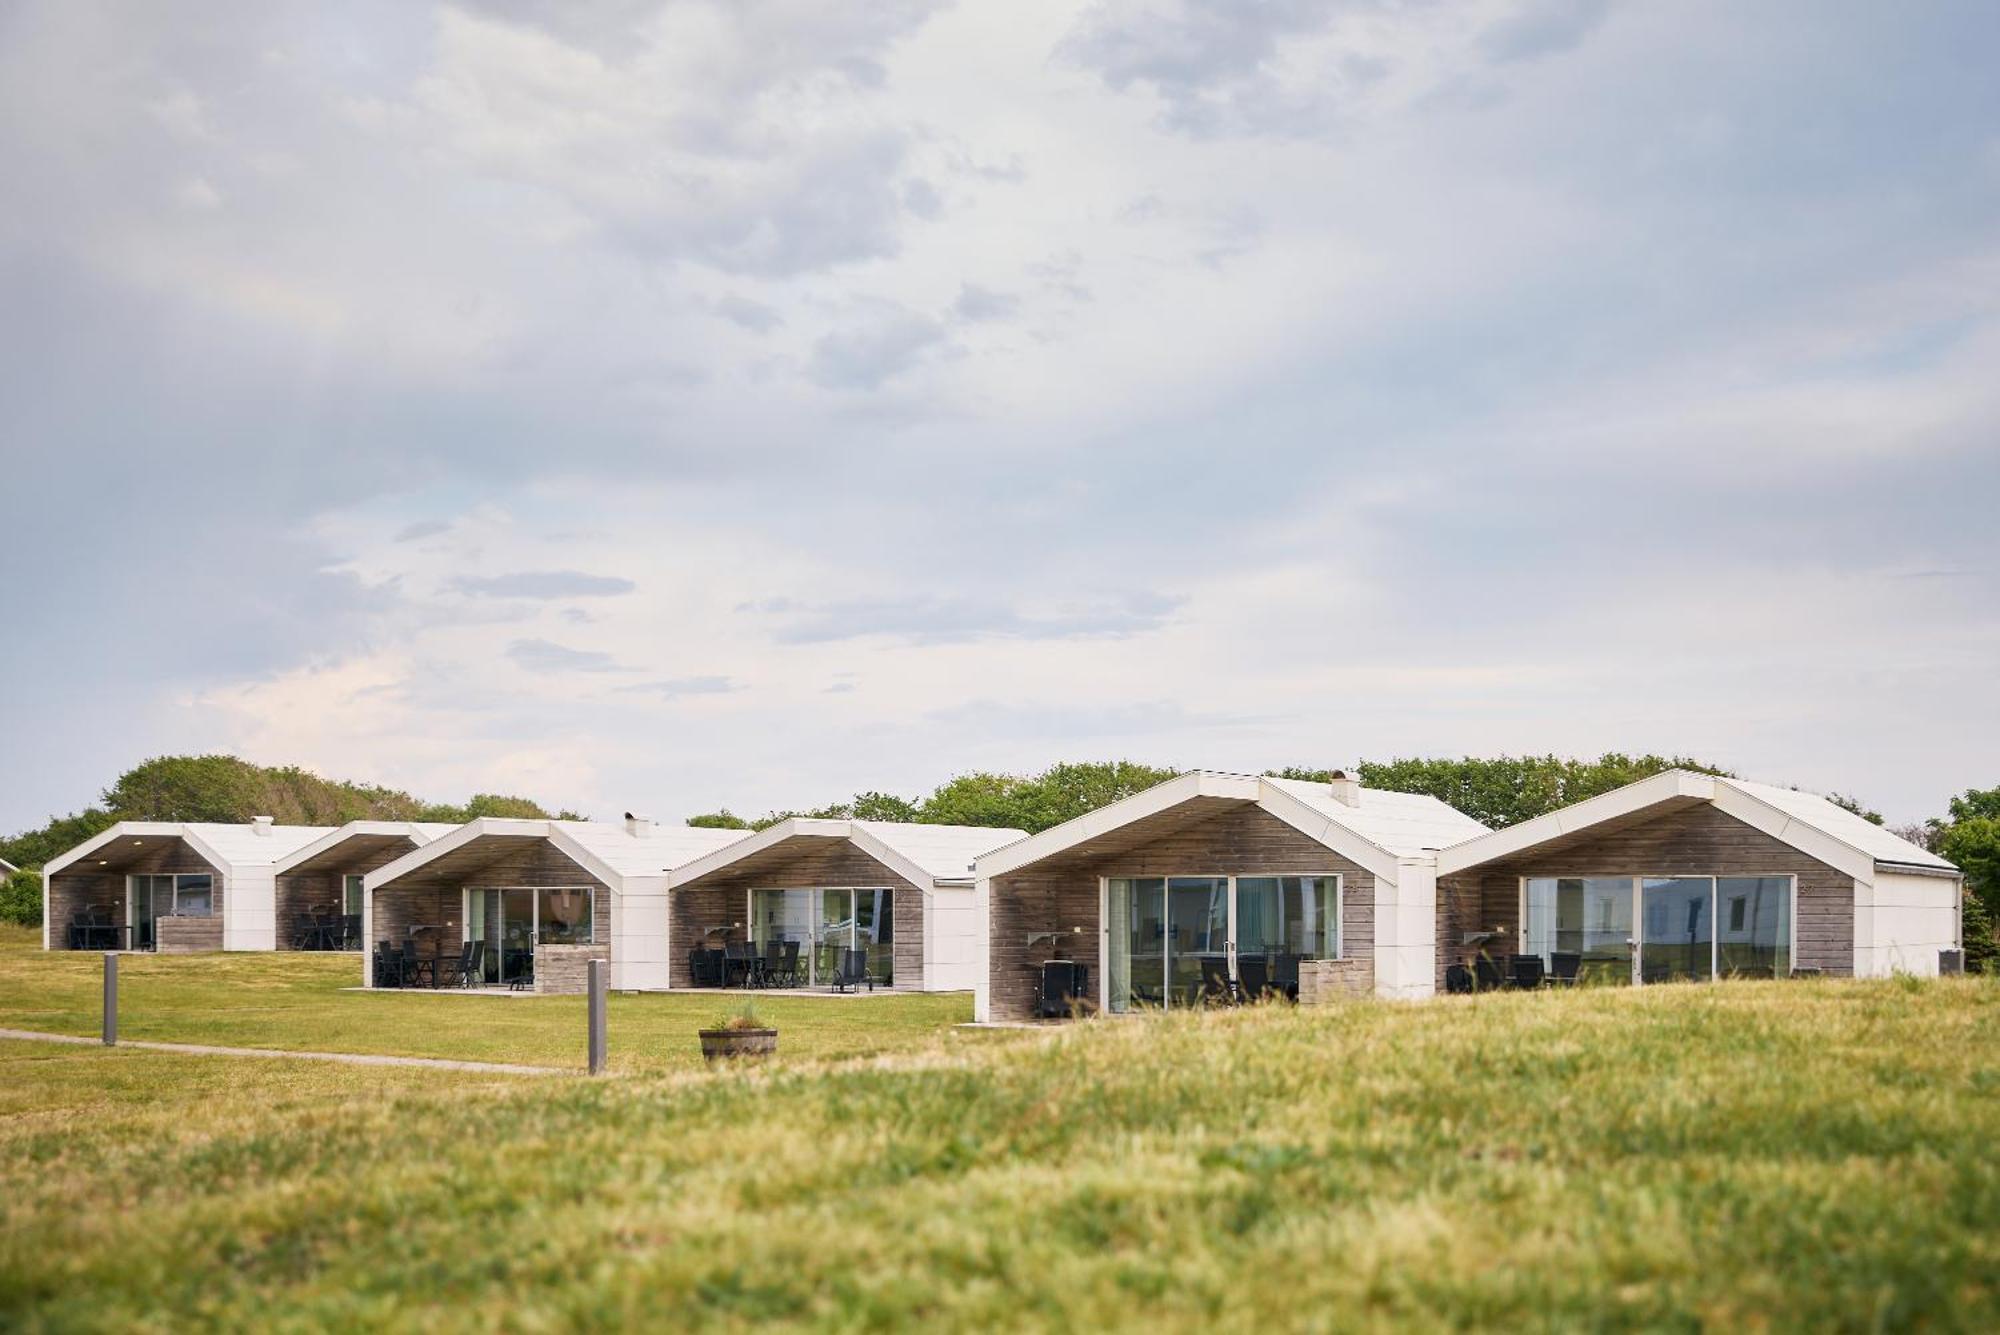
1171	939
1659	929
562	915
350	895
826	920
185	894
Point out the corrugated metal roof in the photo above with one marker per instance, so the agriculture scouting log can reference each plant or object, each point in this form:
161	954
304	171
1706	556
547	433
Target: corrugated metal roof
1405	824
242	846
944	851
1837	822
656	849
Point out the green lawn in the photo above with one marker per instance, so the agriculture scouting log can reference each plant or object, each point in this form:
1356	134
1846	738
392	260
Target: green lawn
302	1002
1800	1156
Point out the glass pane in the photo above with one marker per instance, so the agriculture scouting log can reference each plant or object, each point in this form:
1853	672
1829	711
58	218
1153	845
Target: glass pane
874	929
194	896
517	933
565	915
1582	923
1312	917
350	894
1756	935
833	933
1137	955
1197	934
1678	917
1260	913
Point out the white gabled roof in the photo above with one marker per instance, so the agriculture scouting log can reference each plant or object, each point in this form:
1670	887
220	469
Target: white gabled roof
924	855
229	847
1383	829
608	850
1406	824
656	849
1809	823
1839	823
418	832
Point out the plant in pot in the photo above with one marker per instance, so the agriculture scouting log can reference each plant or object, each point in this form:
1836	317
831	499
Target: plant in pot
739	1034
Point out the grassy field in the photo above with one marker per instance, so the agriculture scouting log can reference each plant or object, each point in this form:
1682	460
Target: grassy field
300	1002
1799	1156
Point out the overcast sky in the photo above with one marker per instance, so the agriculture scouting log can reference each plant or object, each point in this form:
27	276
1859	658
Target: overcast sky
752	402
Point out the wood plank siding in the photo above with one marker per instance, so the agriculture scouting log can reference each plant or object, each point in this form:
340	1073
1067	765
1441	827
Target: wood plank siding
84	886
722	899
319	890
1058	895
1696	840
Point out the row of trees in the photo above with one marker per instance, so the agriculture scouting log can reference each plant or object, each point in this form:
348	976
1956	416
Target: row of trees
227	790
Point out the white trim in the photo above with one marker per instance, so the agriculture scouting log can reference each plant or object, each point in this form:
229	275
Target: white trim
124	829
1809	839
1160	797
768	837
390	872
354	828
1632	798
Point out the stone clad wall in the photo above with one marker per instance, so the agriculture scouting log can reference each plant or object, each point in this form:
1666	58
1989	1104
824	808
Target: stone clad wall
566	969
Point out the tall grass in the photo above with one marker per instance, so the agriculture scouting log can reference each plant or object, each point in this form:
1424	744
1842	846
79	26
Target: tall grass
1762	1156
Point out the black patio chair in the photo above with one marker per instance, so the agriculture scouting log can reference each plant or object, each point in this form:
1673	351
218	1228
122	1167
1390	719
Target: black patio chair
1563	967
350	931
388	965
698	975
852	971
454	970
302	931
789	965
419	969
739	964
1285	974
1215	989
1486	975
523	977
1253	977
1525	972
1457	980
773	963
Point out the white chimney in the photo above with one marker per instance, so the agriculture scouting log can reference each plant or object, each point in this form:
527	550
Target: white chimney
637	825
261	826
1346	788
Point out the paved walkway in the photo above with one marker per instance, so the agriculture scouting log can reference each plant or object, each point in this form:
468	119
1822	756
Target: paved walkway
350	1058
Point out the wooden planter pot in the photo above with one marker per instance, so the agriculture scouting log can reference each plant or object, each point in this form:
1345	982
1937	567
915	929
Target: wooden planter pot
719	1044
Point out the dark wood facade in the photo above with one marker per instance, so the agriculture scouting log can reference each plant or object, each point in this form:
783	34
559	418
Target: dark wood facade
1694	840
85	885
1224	839
717	907
316	887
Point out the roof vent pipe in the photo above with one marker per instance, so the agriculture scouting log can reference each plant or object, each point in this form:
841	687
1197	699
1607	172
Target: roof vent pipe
637	825
1346	788
261	825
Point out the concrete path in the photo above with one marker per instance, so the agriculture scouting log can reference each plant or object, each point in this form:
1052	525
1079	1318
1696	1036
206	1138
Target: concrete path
350	1058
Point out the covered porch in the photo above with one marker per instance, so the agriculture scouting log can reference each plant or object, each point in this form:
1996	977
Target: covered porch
500	912
141	890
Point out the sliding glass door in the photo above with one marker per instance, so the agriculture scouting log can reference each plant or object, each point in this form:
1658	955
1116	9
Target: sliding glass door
1659	929
504	918
1173	940
825	921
